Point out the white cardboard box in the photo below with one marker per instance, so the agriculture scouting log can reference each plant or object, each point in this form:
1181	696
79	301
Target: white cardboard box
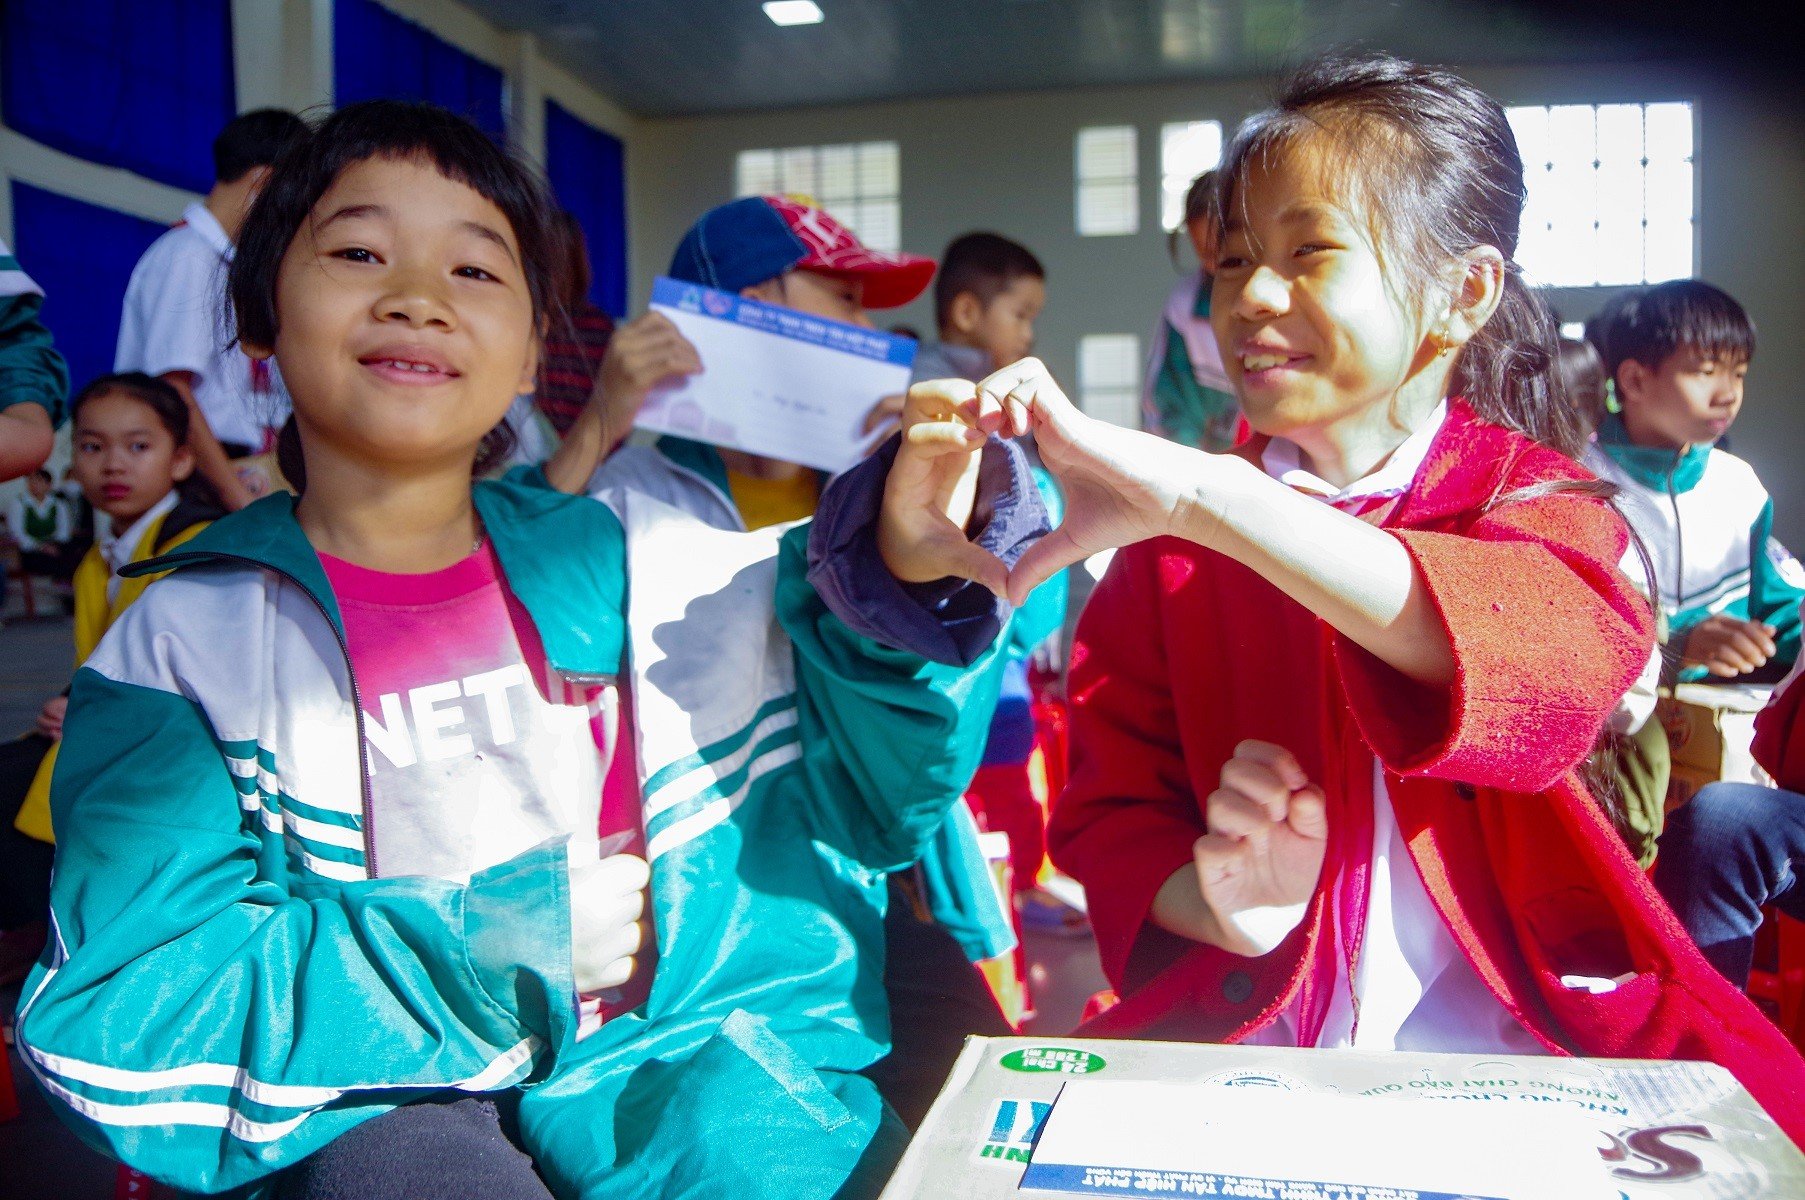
1664	1130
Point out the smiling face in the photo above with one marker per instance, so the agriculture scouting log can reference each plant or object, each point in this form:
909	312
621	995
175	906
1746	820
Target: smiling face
125	458
406	321
1315	336
1691	399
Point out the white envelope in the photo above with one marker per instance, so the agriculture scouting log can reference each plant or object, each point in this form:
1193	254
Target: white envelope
1170	1141
775	382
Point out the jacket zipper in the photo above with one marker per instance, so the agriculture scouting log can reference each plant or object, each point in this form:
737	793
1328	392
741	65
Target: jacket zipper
357	708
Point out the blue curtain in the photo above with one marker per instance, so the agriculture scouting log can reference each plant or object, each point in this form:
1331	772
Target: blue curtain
587	169
82	256
140	84
376	54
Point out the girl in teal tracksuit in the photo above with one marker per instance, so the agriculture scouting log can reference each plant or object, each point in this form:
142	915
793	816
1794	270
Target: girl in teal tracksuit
330	794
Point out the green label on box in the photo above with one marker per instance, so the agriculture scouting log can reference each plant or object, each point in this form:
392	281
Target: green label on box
1057	1059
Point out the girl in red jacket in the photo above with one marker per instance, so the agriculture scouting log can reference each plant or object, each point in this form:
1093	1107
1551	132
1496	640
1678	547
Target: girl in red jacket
1328	714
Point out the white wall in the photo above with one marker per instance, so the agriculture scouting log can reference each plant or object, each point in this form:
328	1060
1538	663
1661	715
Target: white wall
1006	163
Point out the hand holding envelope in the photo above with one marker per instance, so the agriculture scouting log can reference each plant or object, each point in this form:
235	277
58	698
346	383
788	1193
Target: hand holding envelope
776	382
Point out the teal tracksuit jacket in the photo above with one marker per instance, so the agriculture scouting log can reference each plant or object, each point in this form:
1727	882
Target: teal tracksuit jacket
232	981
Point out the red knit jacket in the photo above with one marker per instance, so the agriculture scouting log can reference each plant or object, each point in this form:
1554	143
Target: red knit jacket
1780	734
1182	653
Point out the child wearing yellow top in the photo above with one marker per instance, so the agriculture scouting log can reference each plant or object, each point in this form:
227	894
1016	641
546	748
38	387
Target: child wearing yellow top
130	456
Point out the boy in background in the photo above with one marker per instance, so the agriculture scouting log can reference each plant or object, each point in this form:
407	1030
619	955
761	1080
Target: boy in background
988	296
174	323
39	522
1677	355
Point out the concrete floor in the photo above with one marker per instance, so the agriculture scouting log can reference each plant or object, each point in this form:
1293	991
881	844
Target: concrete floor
40	1159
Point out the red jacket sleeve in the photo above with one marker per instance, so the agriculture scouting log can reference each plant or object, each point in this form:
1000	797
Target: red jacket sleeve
1780	735
1128	816
1547	633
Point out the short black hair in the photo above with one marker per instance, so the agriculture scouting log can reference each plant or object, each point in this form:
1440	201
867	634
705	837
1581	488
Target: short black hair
404	130
393	129
983	264
253	139
1650	325
156	394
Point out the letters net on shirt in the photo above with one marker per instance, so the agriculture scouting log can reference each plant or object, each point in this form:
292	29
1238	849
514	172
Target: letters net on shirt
477	749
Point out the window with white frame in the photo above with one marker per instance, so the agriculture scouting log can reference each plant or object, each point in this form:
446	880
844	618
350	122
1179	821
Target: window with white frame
1610	193
1186	150
1108	172
859	183
1109	377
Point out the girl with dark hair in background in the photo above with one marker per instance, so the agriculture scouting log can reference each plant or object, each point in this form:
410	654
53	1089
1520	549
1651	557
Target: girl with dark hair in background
1187	396
1327	721
131	457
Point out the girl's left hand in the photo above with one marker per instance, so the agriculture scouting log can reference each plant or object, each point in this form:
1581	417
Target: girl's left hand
1121	486
932	487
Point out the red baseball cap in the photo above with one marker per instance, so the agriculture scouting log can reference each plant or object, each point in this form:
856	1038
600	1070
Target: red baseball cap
748	241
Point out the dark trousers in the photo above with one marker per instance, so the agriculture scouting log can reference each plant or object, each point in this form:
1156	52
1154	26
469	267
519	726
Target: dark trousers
937	998
24	861
450	1148
1725	853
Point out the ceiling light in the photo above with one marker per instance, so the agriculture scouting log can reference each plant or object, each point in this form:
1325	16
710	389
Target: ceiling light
794	12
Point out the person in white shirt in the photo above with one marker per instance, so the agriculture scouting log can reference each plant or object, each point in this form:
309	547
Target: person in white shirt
175	326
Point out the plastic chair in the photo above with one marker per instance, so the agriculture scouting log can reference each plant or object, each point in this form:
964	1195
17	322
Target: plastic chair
1781	940
9	1096
133	1185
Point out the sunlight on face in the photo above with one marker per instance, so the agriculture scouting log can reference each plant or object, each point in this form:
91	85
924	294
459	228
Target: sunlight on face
406	321
1316	338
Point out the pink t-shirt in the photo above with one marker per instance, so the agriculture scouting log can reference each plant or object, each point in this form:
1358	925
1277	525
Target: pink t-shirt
477	749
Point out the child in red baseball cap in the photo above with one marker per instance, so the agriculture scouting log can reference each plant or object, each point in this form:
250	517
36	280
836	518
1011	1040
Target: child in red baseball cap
773	250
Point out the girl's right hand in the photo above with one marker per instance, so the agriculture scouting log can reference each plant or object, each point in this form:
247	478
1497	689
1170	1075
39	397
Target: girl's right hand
1121	485
50	717
1257	866
607	903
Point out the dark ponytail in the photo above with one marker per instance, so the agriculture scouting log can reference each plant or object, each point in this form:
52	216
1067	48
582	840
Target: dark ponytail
1515	358
1440	170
